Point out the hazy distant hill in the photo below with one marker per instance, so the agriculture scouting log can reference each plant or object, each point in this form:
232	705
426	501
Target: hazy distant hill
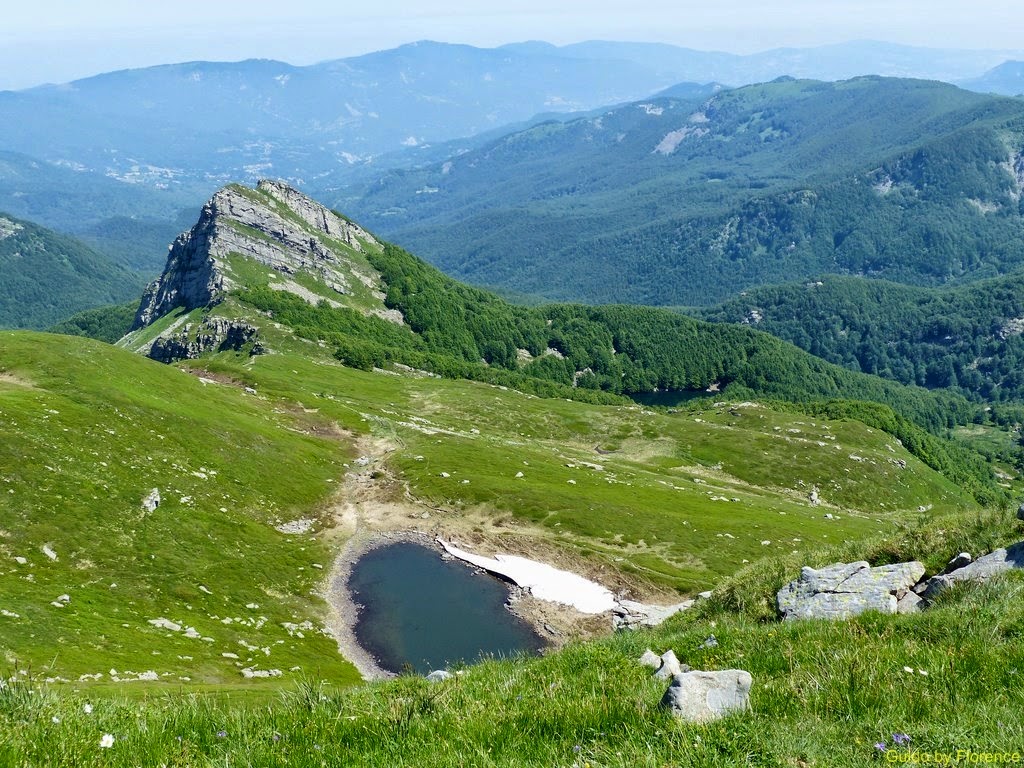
1007	79
674	201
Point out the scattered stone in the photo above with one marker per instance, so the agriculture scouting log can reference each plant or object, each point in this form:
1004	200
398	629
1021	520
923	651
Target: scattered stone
981	570
629	614
843	590
519	474
152	501
650	659
438	676
249	673
711	642
21	560
302	525
699	697
1020	512
48	551
163	623
551	630
813	498
669	666
705	595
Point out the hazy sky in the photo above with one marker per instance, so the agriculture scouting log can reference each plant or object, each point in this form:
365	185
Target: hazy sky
59	40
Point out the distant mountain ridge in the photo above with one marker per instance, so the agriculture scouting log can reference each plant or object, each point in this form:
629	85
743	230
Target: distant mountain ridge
687	201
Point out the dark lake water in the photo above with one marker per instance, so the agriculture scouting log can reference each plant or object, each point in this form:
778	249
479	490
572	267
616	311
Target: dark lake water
418	609
668	399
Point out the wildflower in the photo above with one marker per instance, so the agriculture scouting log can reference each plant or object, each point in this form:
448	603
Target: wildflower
222	734
107	741
577	748
87	708
55	720
276	737
901	739
881	746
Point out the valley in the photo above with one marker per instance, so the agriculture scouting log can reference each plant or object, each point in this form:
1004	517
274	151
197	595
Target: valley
599	404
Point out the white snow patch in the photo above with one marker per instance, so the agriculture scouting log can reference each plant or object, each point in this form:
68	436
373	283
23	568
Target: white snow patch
544	581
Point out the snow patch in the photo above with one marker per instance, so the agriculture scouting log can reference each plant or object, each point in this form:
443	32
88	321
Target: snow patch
543	581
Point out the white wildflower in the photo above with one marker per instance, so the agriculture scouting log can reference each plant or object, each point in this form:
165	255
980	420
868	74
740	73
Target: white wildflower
107	741
87	708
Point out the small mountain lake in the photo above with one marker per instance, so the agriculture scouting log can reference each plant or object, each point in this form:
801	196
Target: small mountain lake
419	610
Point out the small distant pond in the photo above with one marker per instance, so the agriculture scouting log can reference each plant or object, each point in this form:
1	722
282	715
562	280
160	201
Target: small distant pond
420	610
670	398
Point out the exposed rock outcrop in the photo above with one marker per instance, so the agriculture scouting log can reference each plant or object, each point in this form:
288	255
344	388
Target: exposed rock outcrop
276	226
981	570
214	334
843	590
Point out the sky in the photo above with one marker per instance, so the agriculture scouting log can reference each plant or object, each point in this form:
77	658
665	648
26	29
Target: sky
60	40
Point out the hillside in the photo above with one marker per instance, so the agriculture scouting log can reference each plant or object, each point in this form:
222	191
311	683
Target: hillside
966	338
45	276
375	305
277	455
682	202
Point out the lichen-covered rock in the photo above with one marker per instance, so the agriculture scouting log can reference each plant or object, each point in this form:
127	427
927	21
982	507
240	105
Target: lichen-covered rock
702	696
669	666
847	589
981	570
650	659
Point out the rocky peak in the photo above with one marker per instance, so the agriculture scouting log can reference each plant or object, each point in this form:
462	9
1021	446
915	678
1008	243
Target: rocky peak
274	225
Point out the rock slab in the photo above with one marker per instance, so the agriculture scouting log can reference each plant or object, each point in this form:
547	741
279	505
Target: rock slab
699	697
843	590
981	570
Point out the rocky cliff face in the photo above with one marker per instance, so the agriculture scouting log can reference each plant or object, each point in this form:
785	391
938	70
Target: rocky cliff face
274	225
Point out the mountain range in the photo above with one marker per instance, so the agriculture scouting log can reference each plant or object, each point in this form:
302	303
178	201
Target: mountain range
688	201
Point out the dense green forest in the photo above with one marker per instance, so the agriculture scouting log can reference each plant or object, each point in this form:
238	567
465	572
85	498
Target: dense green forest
967	339
46	276
598	354
108	323
690	201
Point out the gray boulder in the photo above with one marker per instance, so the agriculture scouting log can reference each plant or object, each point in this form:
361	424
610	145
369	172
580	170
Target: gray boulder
669	666
650	659
439	675
843	590
981	570
1020	512
702	696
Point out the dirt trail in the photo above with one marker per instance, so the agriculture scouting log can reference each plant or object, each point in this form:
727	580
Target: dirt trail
373	508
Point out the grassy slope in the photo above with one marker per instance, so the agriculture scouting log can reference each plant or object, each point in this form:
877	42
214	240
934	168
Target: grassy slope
79	492
824	694
88	432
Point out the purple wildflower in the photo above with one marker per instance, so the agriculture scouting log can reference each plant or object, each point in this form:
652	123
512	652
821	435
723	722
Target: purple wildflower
577	748
881	747
222	734
901	739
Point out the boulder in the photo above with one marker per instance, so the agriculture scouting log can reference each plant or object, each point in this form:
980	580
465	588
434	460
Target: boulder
981	570
629	614
669	666
439	675
702	696
909	603
1020	512
152	501
650	659
843	590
